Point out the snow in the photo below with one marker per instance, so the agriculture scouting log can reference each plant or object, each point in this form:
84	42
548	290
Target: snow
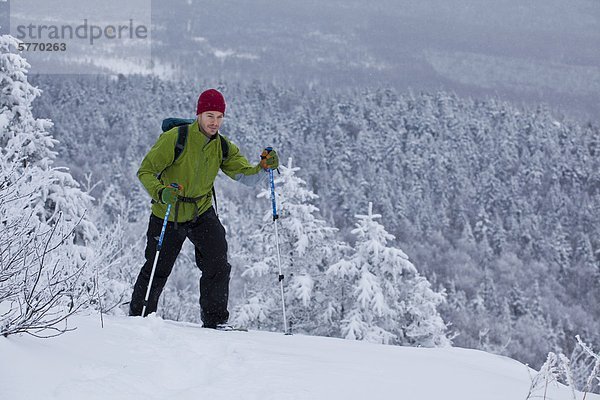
152	358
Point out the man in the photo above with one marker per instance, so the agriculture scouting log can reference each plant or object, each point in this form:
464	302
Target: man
186	183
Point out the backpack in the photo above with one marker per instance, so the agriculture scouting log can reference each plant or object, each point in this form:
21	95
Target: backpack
182	125
182	132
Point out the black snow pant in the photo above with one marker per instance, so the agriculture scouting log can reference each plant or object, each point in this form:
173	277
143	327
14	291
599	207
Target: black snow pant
208	236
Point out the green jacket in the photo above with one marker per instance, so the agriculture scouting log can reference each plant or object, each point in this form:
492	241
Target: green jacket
195	169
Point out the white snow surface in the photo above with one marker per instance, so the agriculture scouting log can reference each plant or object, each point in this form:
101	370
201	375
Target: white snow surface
152	358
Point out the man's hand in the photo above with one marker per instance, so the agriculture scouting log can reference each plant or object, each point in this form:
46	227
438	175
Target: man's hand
168	194
269	159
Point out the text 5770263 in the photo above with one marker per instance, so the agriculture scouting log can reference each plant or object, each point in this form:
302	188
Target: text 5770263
35	46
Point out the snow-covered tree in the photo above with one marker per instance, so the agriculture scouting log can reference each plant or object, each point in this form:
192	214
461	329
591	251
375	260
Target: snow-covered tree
42	212
307	245
384	297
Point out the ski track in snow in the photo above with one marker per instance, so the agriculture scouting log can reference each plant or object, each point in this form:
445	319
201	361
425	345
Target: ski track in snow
146	359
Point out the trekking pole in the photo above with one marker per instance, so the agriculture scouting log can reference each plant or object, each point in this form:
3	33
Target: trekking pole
275	217
160	240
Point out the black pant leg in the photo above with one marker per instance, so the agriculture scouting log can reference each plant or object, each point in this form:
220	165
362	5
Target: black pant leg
172	242
208	236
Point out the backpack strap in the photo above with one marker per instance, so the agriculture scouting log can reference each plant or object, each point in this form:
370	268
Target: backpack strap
192	200
224	148
215	200
225	151
182	133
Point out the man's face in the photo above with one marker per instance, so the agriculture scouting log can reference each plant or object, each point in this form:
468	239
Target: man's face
210	122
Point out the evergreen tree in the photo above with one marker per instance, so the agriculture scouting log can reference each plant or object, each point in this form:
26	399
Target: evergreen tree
308	246
387	301
42	212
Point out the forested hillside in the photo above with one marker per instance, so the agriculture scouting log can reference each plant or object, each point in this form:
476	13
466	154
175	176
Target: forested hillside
498	205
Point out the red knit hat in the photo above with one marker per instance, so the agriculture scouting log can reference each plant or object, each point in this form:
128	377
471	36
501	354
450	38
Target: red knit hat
210	100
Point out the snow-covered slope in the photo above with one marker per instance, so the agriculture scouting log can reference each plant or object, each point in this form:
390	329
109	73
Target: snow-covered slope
134	358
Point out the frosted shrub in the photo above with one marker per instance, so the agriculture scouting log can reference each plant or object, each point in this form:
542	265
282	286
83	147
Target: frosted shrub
580	373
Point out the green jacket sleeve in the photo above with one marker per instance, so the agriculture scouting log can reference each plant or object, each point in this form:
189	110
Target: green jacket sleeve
237	167
158	158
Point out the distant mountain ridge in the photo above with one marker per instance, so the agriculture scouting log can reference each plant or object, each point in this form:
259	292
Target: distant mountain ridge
523	52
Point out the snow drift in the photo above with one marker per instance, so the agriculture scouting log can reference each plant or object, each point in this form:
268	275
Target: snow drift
152	358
